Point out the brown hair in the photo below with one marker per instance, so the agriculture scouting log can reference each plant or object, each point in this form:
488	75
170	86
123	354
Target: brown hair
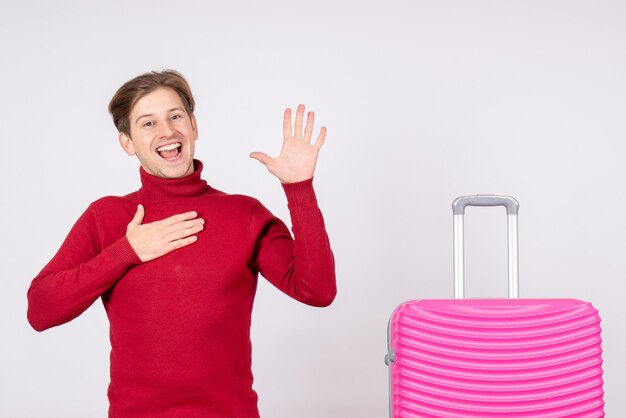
126	96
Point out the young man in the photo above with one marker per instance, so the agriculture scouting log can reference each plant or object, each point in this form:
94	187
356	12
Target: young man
176	262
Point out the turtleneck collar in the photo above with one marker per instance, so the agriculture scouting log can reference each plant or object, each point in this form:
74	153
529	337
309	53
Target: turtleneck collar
153	187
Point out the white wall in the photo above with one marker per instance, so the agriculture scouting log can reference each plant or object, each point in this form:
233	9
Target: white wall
424	101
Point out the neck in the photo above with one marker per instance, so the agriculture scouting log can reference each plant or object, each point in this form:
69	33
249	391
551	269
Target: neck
153	187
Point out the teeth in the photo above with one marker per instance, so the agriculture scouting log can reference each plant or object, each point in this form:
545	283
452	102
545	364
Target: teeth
169	147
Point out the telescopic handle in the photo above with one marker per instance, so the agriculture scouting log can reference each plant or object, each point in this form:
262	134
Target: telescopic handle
458	210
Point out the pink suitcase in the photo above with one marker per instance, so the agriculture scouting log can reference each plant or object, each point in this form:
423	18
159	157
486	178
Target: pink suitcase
515	358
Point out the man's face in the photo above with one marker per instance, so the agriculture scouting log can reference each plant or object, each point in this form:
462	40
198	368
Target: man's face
162	134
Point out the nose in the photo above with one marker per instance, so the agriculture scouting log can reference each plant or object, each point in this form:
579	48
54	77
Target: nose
167	129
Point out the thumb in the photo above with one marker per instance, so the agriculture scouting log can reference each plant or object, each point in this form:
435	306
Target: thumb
262	157
138	216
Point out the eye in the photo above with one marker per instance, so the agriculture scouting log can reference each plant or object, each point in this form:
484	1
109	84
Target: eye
176	116
148	124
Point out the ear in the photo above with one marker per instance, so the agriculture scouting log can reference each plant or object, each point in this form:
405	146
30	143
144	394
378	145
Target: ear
127	143
194	126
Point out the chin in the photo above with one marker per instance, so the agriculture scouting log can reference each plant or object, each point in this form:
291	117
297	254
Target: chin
170	172
178	172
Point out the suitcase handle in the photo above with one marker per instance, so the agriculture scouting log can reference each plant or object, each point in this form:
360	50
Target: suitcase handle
458	210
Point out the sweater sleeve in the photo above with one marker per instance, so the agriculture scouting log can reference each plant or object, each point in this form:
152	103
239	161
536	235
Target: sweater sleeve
303	267
78	274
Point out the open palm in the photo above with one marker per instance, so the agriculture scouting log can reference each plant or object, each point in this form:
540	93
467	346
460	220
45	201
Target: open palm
298	156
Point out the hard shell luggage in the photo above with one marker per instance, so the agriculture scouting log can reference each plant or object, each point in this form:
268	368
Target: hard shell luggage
515	358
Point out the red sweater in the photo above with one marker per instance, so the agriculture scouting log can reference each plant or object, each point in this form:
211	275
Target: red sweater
180	324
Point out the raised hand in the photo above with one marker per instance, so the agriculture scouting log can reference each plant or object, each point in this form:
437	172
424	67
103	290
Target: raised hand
298	156
155	239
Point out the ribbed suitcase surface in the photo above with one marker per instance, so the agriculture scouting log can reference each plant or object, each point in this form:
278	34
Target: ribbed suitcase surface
516	358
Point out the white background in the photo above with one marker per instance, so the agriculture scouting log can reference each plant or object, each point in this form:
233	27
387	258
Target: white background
424	101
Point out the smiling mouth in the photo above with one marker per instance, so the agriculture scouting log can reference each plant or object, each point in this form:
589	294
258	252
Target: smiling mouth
170	152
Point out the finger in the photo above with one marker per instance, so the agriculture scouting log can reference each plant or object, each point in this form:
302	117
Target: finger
181	226
181	217
287	134
262	157
308	130
320	139
297	132
179	243
138	218
186	232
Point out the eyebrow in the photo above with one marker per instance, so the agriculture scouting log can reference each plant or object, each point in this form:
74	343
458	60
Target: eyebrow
174	109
